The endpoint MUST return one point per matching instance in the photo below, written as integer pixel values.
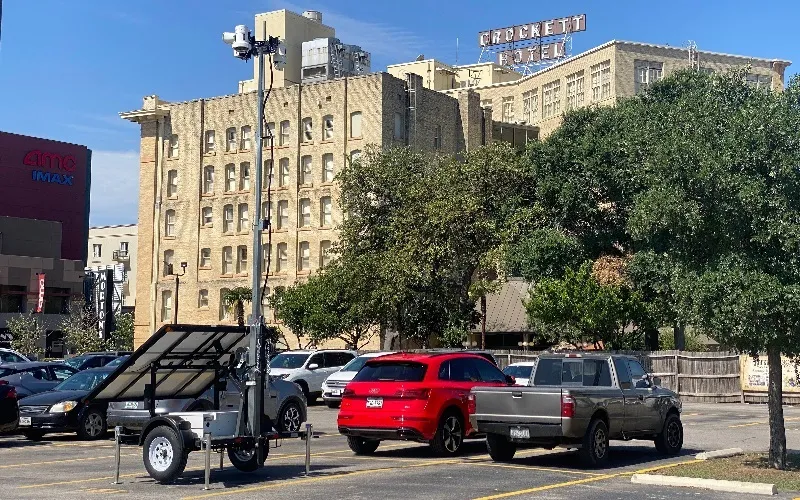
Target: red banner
(40, 305)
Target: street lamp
(177, 288)
(245, 46)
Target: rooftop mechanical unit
(329, 58)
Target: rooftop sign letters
(51, 161)
(532, 42)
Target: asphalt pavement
(62, 466)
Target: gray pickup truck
(578, 401)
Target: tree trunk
(777, 430)
(651, 338)
(680, 336)
(483, 321)
(240, 312)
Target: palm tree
(234, 301)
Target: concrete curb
(729, 452)
(706, 484)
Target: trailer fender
(179, 426)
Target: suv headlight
(63, 407)
(281, 376)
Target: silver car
(285, 406)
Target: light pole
(244, 47)
(177, 289)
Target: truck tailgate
(518, 405)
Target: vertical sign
(40, 304)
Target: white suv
(309, 369)
(9, 356)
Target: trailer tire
(246, 460)
(594, 452)
(500, 448)
(164, 454)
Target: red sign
(38, 158)
(40, 305)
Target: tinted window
(596, 373)
(318, 359)
(548, 372)
(37, 373)
(62, 373)
(488, 372)
(519, 371)
(288, 361)
(355, 364)
(75, 362)
(622, 373)
(463, 370)
(637, 372)
(10, 357)
(391, 371)
(335, 359)
(4, 372)
(572, 372)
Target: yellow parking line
(103, 490)
(68, 460)
(526, 467)
(746, 425)
(660, 467)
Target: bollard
(117, 438)
(309, 433)
(207, 441)
(221, 456)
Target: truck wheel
(500, 448)
(361, 446)
(594, 452)
(164, 455)
(449, 435)
(245, 460)
(92, 425)
(670, 440)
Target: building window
(269, 134)
(230, 140)
(284, 139)
(202, 299)
(324, 253)
(230, 178)
(305, 171)
(227, 218)
(241, 259)
(223, 308)
(244, 218)
(208, 216)
(246, 137)
(327, 168)
(97, 251)
(169, 257)
(762, 82)
(174, 146)
(304, 256)
(172, 183)
(437, 137)
(486, 103)
(530, 103)
(283, 258)
(398, 127)
(169, 223)
(268, 175)
(575, 90)
(210, 141)
(308, 130)
(601, 81)
(304, 219)
(508, 110)
(205, 258)
(266, 209)
(355, 155)
(283, 214)
(244, 176)
(551, 99)
(283, 174)
(646, 73)
(327, 128)
(266, 253)
(208, 180)
(166, 305)
(227, 260)
(355, 124)
(123, 248)
(325, 211)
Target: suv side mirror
(510, 380)
(656, 381)
(313, 366)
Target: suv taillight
(567, 406)
(348, 392)
(413, 393)
(471, 404)
(12, 394)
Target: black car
(64, 410)
(9, 410)
(35, 376)
(118, 361)
(93, 360)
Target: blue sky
(68, 67)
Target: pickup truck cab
(578, 401)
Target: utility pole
(177, 289)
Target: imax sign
(52, 178)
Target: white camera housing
(240, 41)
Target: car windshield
(518, 371)
(391, 371)
(356, 364)
(75, 362)
(118, 361)
(82, 381)
(287, 360)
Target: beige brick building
(114, 246)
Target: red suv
(414, 397)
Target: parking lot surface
(61, 466)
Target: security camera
(240, 41)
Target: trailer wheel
(164, 454)
(245, 460)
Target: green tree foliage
(27, 334)
(80, 329)
(122, 336)
(544, 253)
(234, 300)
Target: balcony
(121, 256)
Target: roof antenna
(456, 51)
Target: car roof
(313, 351)
(429, 356)
(31, 364)
(376, 354)
(100, 369)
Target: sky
(67, 68)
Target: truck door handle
(516, 395)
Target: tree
(26, 334)
(122, 336)
(80, 328)
(234, 300)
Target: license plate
(374, 402)
(336, 392)
(131, 405)
(24, 420)
(519, 433)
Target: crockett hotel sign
(531, 42)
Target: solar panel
(187, 358)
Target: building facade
(114, 247)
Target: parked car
(35, 376)
(335, 383)
(285, 406)
(63, 409)
(93, 360)
(9, 356)
(484, 354)
(414, 396)
(117, 361)
(309, 369)
(579, 401)
(9, 408)
(520, 371)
